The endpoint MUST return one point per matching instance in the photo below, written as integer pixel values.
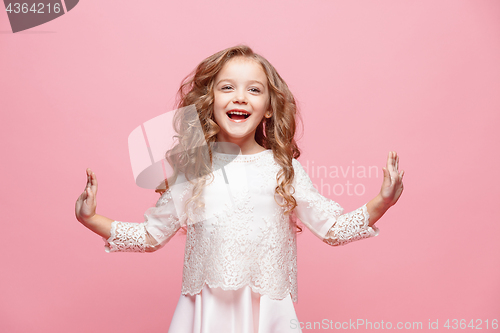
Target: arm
(99, 224)
(161, 223)
(326, 218)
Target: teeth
(237, 112)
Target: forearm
(99, 224)
(376, 208)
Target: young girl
(240, 265)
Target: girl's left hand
(392, 185)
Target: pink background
(418, 77)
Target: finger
(397, 161)
(94, 182)
(90, 197)
(85, 193)
(392, 162)
(88, 178)
(387, 177)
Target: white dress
(240, 262)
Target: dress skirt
(215, 310)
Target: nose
(240, 97)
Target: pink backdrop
(418, 77)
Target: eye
(255, 90)
(225, 87)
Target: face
(241, 100)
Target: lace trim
(249, 284)
(126, 237)
(351, 227)
(240, 158)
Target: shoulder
(301, 178)
(298, 168)
(165, 197)
(269, 159)
(296, 164)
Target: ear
(268, 114)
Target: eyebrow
(251, 81)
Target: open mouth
(238, 115)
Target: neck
(234, 146)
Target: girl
(240, 262)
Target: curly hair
(276, 133)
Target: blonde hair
(276, 133)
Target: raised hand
(86, 204)
(392, 185)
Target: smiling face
(241, 100)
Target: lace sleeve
(160, 225)
(324, 217)
(351, 227)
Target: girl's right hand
(86, 204)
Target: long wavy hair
(194, 158)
